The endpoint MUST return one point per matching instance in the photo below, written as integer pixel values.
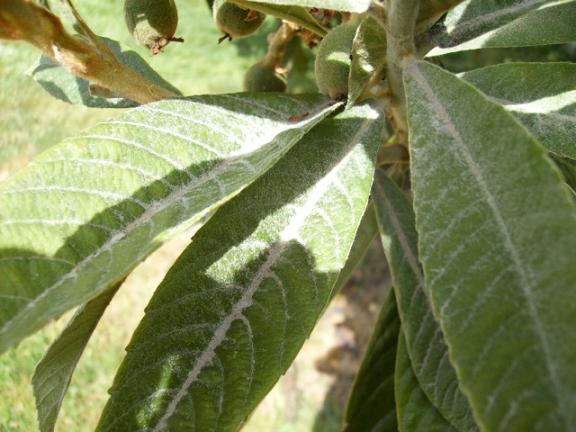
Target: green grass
(30, 122)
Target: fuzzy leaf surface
(414, 410)
(79, 218)
(366, 233)
(296, 14)
(424, 339)
(542, 96)
(358, 6)
(234, 310)
(53, 374)
(521, 23)
(368, 56)
(371, 406)
(497, 233)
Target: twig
(278, 44)
(400, 30)
(86, 56)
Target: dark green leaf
(414, 410)
(371, 407)
(424, 338)
(54, 372)
(497, 239)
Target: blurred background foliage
(312, 394)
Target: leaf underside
(232, 313)
(497, 236)
(83, 215)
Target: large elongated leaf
(54, 372)
(497, 239)
(415, 411)
(547, 22)
(424, 339)
(371, 406)
(295, 14)
(541, 95)
(87, 211)
(341, 5)
(232, 313)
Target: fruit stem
(278, 44)
(85, 55)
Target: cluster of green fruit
(153, 24)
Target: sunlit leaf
(79, 218)
(234, 310)
(510, 23)
(541, 95)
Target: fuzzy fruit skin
(332, 66)
(151, 22)
(234, 21)
(262, 78)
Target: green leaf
(54, 372)
(371, 406)
(340, 5)
(64, 85)
(234, 310)
(424, 338)
(542, 96)
(295, 14)
(86, 212)
(568, 168)
(367, 230)
(414, 410)
(530, 23)
(497, 239)
(368, 57)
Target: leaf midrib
(150, 211)
(291, 232)
(526, 286)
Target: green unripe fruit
(234, 21)
(262, 78)
(151, 22)
(332, 66)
